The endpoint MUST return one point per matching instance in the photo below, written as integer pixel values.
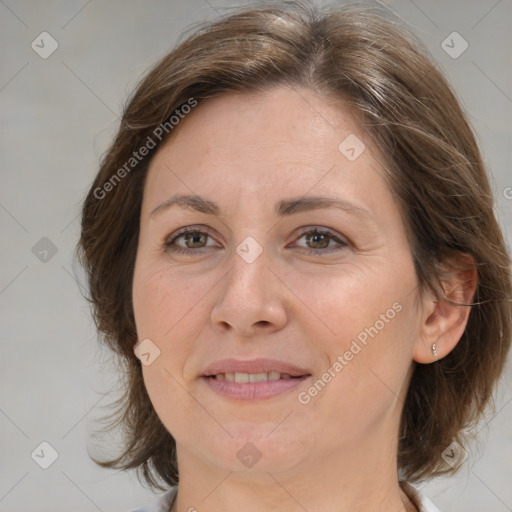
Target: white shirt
(165, 502)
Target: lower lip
(253, 390)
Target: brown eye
(193, 239)
(188, 240)
(318, 241)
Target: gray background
(58, 116)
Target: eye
(319, 241)
(192, 239)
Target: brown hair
(353, 53)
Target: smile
(241, 377)
(252, 380)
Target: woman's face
(322, 326)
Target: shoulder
(423, 504)
(162, 504)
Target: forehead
(285, 115)
(264, 143)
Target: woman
(291, 245)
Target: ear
(442, 321)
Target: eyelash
(342, 244)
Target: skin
(337, 453)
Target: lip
(253, 390)
(253, 366)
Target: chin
(254, 449)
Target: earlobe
(445, 318)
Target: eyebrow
(283, 208)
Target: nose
(252, 299)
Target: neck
(329, 482)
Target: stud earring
(434, 350)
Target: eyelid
(196, 228)
(342, 241)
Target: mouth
(253, 380)
(243, 378)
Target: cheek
(172, 404)
(161, 300)
(161, 315)
(348, 301)
(372, 326)
(162, 306)
(380, 353)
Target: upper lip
(253, 366)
